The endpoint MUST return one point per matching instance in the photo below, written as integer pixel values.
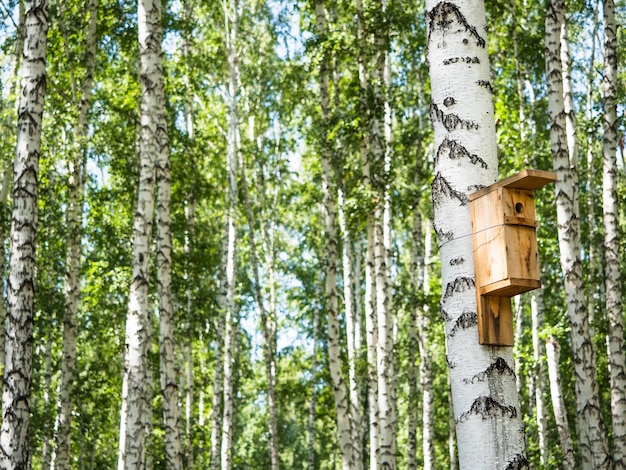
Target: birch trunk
(7, 178)
(230, 332)
(591, 428)
(313, 402)
(268, 337)
(614, 309)
(167, 320)
(16, 387)
(536, 307)
(353, 332)
(558, 404)
(426, 364)
(489, 427)
(61, 456)
(344, 431)
(371, 328)
(153, 138)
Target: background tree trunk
(16, 387)
(63, 425)
(614, 309)
(592, 431)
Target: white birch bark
(329, 191)
(313, 402)
(268, 341)
(230, 332)
(536, 307)
(352, 330)
(167, 319)
(489, 428)
(558, 404)
(61, 456)
(7, 177)
(614, 308)
(426, 363)
(593, 443)
(153, 136)
(371, 328)
(16, 387)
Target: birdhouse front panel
(505, 244)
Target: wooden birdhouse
(506, 259)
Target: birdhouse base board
(495, 320)
(509, 287)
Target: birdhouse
(506, 258)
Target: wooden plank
(509, 287)
(495, 321)
(526, 179)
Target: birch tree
(344, 430)
(231, 18)
(16, 387)
(592, 432)
(153, 141)
(486, 405)
(614, 309)
(82, 100)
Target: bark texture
(614, 309)
(558, 404)
(329, 191)
(16, 387)
(592, 431)
(61, 455)
(489, 428)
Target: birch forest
(237, 234)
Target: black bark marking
(441, 188)
(444, 15)
(467, 320)
(449, 101)
(457, 151)
(460, 284)
(466, 60)
(450, 121)
(519, 462)
(457, 261)
(487, 407)
(443, 236)
(475, 187)
(485, 84)
(499, 367)
(445, 315)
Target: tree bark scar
(444, 15)
(451, 121)
(499, 367)
(519, 462)
(466, 60)
(485, 84)
(460, 284)
(467, 320)
(457, 151)
(485, 407)
(441, 188)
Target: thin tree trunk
(230, 332)
(268, 350)
(558, 404)
(61, 457)
(614, 309)
(489, 428)
(313, 402)
(536, 306)
(153, 139)
(371, 328)
(591, 428)
(426, 364)
(342, 409)
(14, 445)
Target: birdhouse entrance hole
(506, 259)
